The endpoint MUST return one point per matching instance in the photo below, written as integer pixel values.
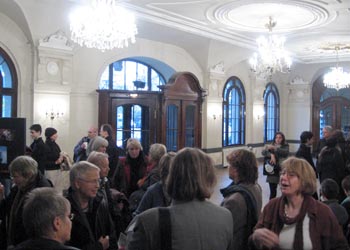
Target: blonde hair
(305, 173)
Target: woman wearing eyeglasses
(296, 220)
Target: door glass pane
(189, 126)
(326, 118)
(6, 106)
(119, 127)
(135, 122)
(345, 120)
(172, 127)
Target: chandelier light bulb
(102, 25)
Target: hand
(273, 159)
(265, 237)
(104, 241)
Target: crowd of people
(108, 199)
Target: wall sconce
(54, 114)
(259, 113)
(214, 117)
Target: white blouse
(287, 234)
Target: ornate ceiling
(310, 26)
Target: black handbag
(270, 169)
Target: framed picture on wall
(12, 141)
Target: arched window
(8, 86)
(272, 111)
(233, 113)
(130, 75)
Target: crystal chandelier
(102, 25)
(271, 56)
(337, 78)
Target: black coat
(88, 227)
(38, 153)
(6, 206)
(305, 152)
(52, 154)
(113, 155)
(43, 244)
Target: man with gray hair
(92, 226)
(326, 132)
(47, 220)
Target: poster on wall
(12, 141)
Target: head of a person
(345, 184)
(133, 148)
(243, 166)
(326, 131)
(51, 133)
(98, 144)
(23, 170)
(191, 175)
(92, 132)
(338, 135)
(297, 177)
(306, 137)
(164, 165)
(156, 151)
(85, 179)
(47, 214)
(329, 189)
(100, 160)
(35, 131)
(106, 130)
(279, 138)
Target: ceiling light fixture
(271, 56)
(102, 25)
(337, 78)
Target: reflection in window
(233, 113)
(271, 106)
(172, 127)
(8, 86)
(130, 75)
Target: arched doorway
(329, 107)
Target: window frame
(148, 82)
(271, 124)
(13, 91)
(233, 84)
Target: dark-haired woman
(275, 153)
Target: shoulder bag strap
(165, 228)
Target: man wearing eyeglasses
(92, 226)
(47, 220)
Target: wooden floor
(223, 181)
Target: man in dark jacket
(47, 219)
(92, 226)
(80, 149)
(38, 148)
(26, 177)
